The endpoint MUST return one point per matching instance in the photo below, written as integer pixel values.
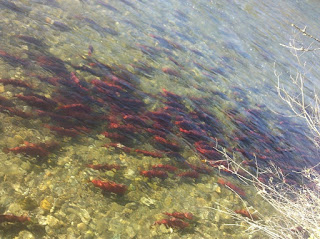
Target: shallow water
(137, 84)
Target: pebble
(18, 139)
(53, 222)
(25, 235)
(42, 220)
(63, 160)
(168, 201)
(127, 211)
(132, 205)
(43, 187)
(84, 216)
(201, 201)
(12, 142)
(26, 165)
(163, 229)
(110, 173)
(14, 208)
(45, 205)
(50, 232)
(71, 233)
(147, 201)
(130, 174)
(89, 235)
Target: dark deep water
(115, 90)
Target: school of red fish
(113, 104)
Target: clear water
(188, 72)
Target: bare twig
(296, 208)
(305, 33)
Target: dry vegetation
(300, 104)
(296, 207)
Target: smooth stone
(53, 222)
(42, 220)
(84, 216)
(25, 235)
(163, 229)
(18, 139)
(89, 235)
(26, 165)
(14, 208)
(12, 142)
(110, 173)
(130, 173)
(147, 201)
(201, 202)
(45, 205)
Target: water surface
(135, 84)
